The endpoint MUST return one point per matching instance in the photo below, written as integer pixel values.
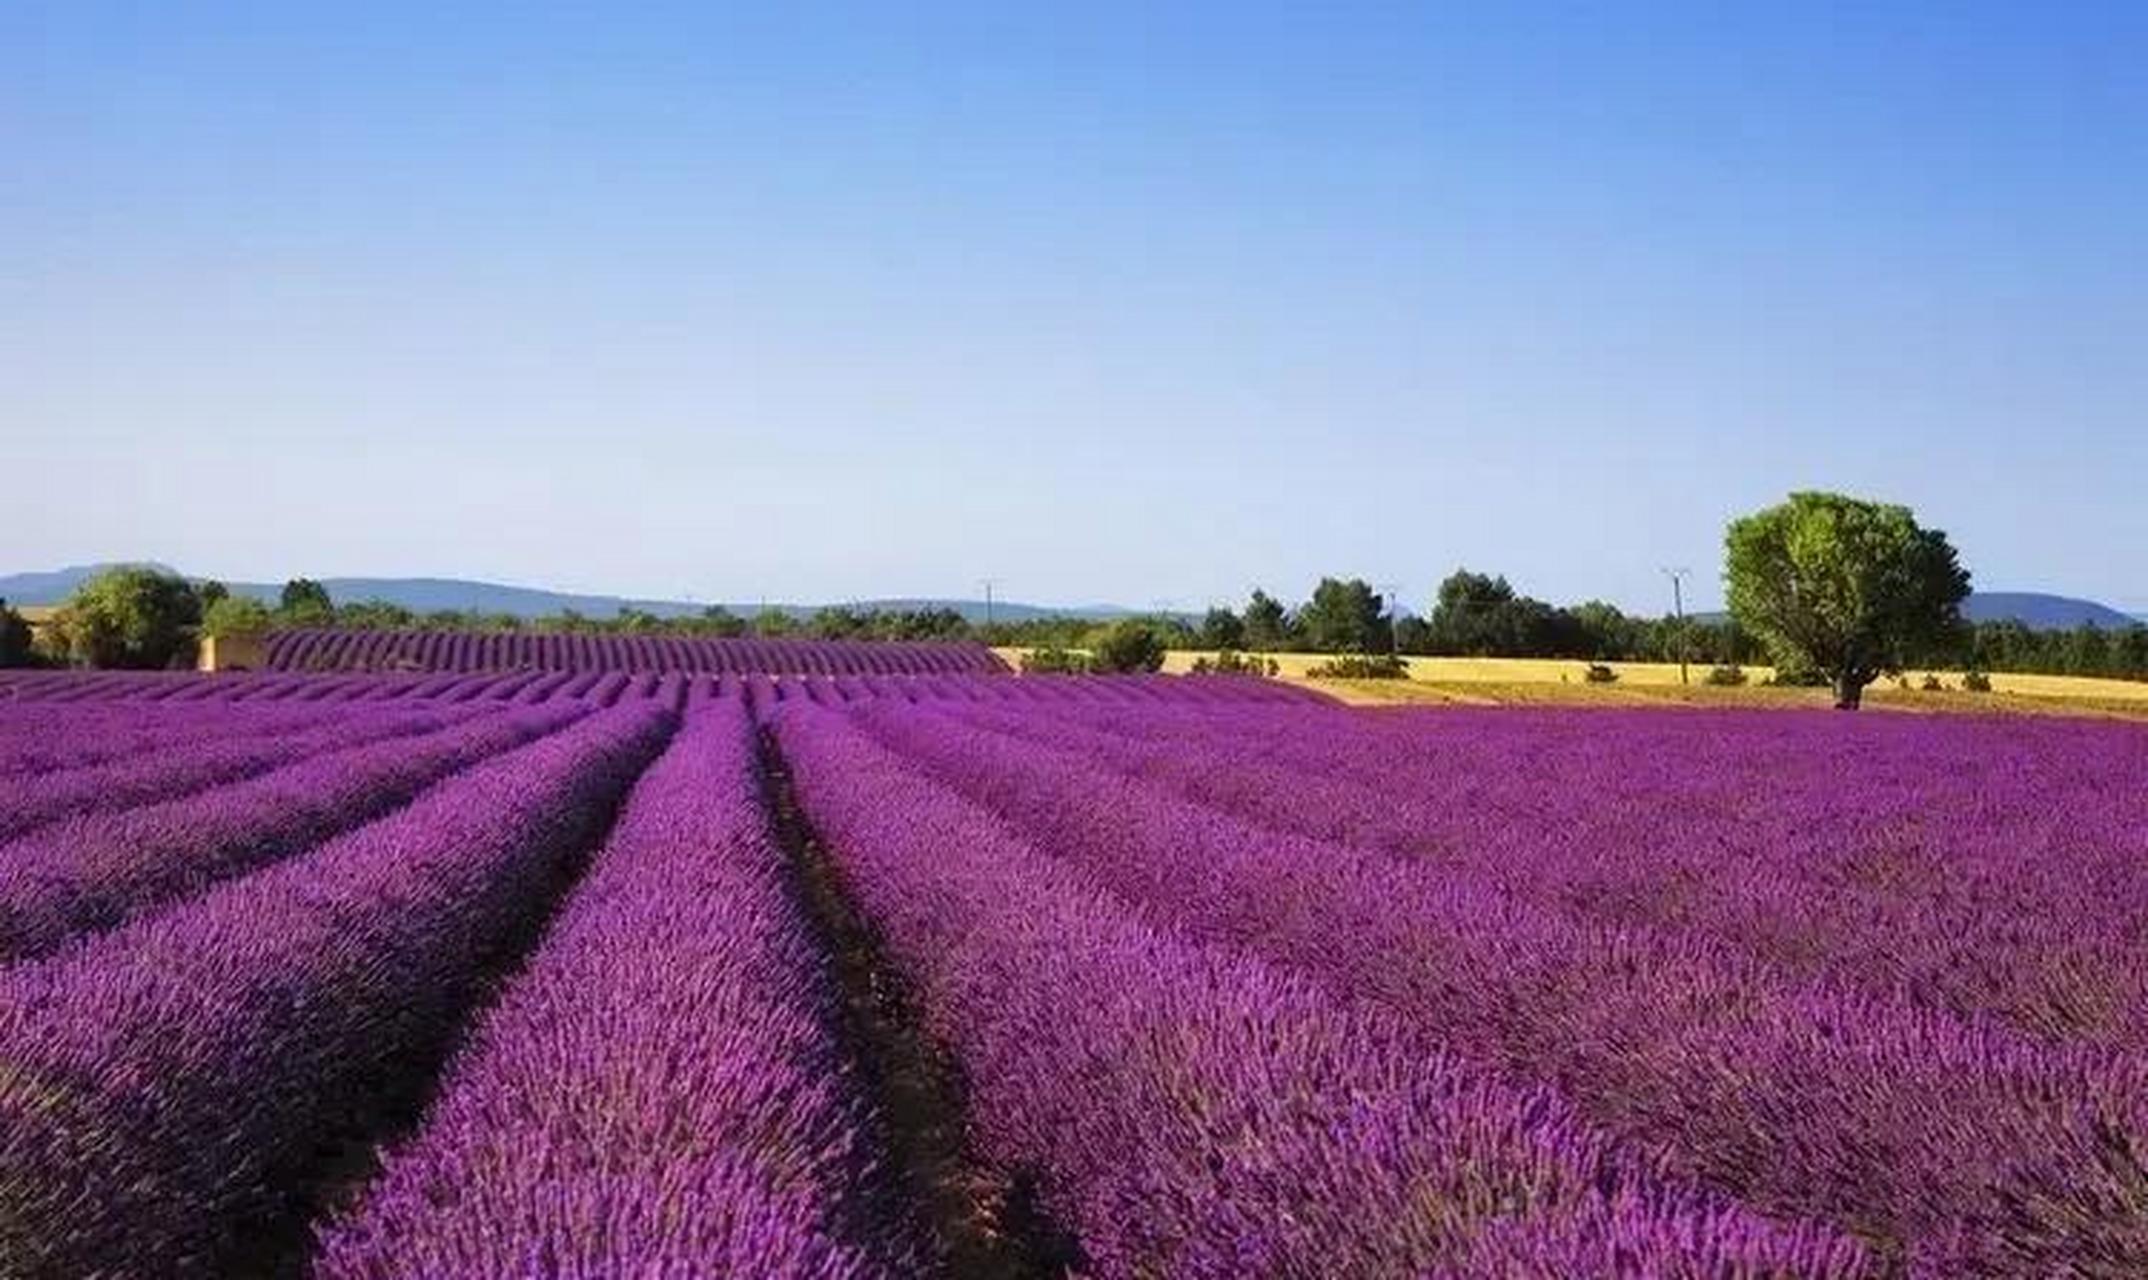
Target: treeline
(143, 618)
(2087, 650)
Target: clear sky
(1118, 302)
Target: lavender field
(547, 971)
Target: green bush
(1933, 684)
(128, 618)
(1055, 660)
(1727, 674)
(1598, 673)
(1230, 662)
(1975, 681)
(1360, 666)
(1127, 648)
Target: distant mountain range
(426, 594)
(2036, 609)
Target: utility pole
(1393, 593)
(988, 584)
(1678, 607)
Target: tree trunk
(1849, 690)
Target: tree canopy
(305, 602)
(1844, 587)
(231, 615)
(1131, 645)
(131, 618)
(1344, 617)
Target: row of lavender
(1900, 991)
(1237, 989)
(660, 1090)
(607, 688)
(267, 968)
(333, 649)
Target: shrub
(1230, 662)
(1360, 666)
(1128, 647)
(1056, 660)
(1975, 681)
(1599, 673)
(1932, 684)
(1726, 674)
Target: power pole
(988, 584)
(1393, 593)
(1678, 607)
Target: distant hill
(426, 594)
(2041, 611)
(2036, 609)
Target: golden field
(1532, 681)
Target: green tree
(1267, 626)
(1845, 587)
(235, 616)
(16, 639)
(719, 621)
(1130, 645)
(209, 591)
(129, 618)
(774, 623)
(1222, 629)
(305, 603)
(1344, 617)
(1472, 616)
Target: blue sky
(1133, 303)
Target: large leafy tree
(1474, 615)
(1843, 587)
(1344, 617)
(129, 617)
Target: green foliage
(209, 591)
(17, 641)
(1221, 629)
(305, 603)
(1344, 617)
(1230, 662)
(128, 618)
(1360, 666)
(1933, 684)
(774, 623)
(1128, 646)
(233, 615)
(1267, 623)
(1726, 675)
(721, 622)
(1056, 660)
(1975, 681)
(1598, 673)
(1851, 588)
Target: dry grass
(1560, 682)
(1575, 694)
